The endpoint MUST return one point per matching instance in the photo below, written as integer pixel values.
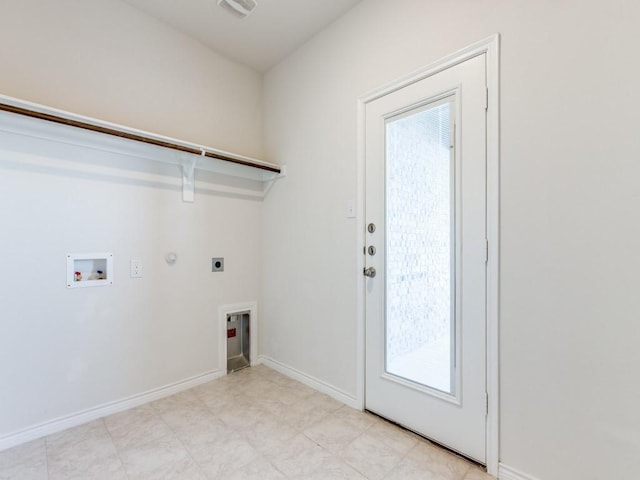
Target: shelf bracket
(188, 163)
(270, 183)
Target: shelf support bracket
(268, 185)
(188, 163)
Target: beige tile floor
(252, 424)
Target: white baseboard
(62, 423)
(310, 381)
(508, 473)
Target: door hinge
(486, 403)
(486, 251)
(486, 99)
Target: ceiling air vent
(240, 8)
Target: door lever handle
(369, 272)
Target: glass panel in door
(420, 233)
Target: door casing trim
(489, 46)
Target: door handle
(369, 272)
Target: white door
(425, 257)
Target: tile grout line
(200, 469)
(46, 457)
(241, 434)
(343, 459)
(124, 468)
(214, 414)
(177, 437)
(403, 458)
(235, 387)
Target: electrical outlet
(136, 268)
(217, 264)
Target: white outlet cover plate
(136, 268)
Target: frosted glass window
(419, 252)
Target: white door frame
(491, 47)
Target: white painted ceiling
(261, 40)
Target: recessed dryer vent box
(89, 269)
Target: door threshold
(424, 437)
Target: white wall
(66, 350)
(569, 304)
(107, 60)
(569, 307)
